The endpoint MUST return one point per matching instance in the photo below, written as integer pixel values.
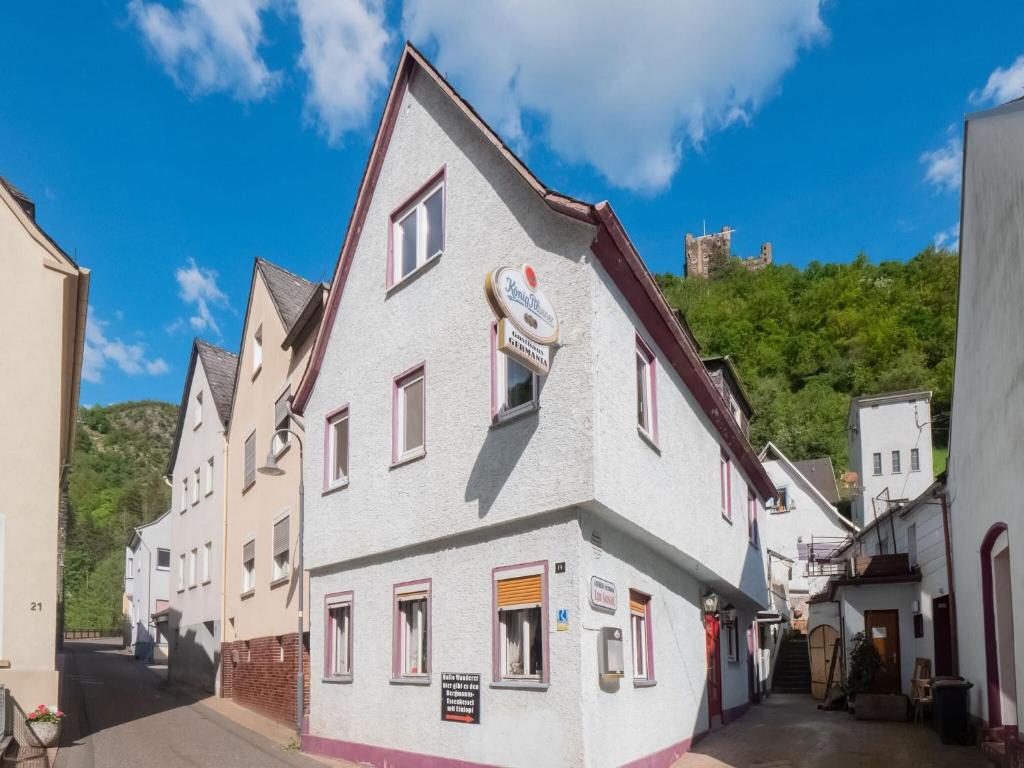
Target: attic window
(198, 416)
(257, 350)
(417, 230)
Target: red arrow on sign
(460, 718)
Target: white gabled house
(521, 569)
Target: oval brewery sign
(513, 293)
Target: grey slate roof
(820, 474)
(220, 366)
(289, 292)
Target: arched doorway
(996, 591)
(821, 644)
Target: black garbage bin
(949, 708)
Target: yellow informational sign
(533, 356)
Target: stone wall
(260, 674)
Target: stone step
(994, 751)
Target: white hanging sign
(513, 293)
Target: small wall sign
(563, 620)
(460, 698)
(602, 594)
(536, 357)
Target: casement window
(646, 393)
(163, 559)
(336, 455)
(128, 567)
(640, 626)
(192, 557)
(895, 462)
(181, 573)
(184, 493)
(282, 420)
(515, 389)
(752, 532)
(207, 561)
(197, 417)
(912, 544)
(417, 231)
(249, 566)
(411, 656)
(915, 460)
(195, 486)
(338, 636)
(732, 640)
(249, 461)
(257, 350)
(782, 505)
(725, 478)
(209, 476)
(409, 415)
(280, 551)
(876, 460)
(519, 595)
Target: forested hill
(116, 484)
(807, 340)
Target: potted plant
(44, 723)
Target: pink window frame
(725, 484)
(495, 384)
(652, 372)
(396, 384)
(441, 175)
(343, 409)
(649, 640)
(496, 676)
(752, 531)
(330, 601)
(396, 638)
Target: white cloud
(344, 44)
(943, 165)
(100, 350)
(1003, 85)
(948, 238)
(198, 286)
(209, 45)
(622, 87)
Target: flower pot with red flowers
(44, 723)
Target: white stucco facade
(197, 533)
(150, 585)
(986, 461)
(572, 487)
(885, 433)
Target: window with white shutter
(280, 552)
(282, 420)
(249, 566)
(249, 475)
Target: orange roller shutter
(637, 603)
(524, 590)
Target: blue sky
(167, 144)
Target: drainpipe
(954, 641)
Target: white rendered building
(196, 472)
(148, 558)
(514, 567)
(985, 458)
(890, 442)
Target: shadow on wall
(194, 653)
(498, 457)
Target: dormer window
(417, 231)
(257, 350)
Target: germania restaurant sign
(527, 323)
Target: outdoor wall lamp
(710, 602)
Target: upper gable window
(257, 350)
(646, 392)
(417, 230)
(198, 415)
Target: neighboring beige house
(43, 301)
(259, 638)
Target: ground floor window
(639, 617)
(732, 640)
(338, 645)
(412, 630)
(521, 646)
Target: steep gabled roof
(820, 474)
(220, 367)
(289, 292)
(771, 450)
(611, 246)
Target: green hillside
(116, 484)
(807, 340)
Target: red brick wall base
(260, 674)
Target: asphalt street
(121, 713)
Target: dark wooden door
(883, 630)
(942, 626)
(714, 656)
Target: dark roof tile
(819, 473)
(289, 292)
(220, 366)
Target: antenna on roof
(704, 225)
